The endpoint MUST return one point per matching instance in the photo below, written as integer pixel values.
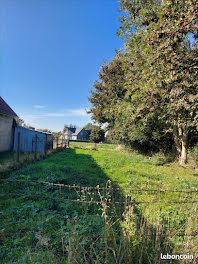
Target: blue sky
(51, 52)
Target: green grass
(51, 228)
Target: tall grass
(39, 226)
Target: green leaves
(152, 85)
(97, 134)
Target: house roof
(5, 108)
(72, 129)
(88, 131)
(78, 130)
(75, 131)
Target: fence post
(68, 143)
(65, 143)
(57, 143)
(62, 144)
(35, 153)
(18, 147)
(45, 150)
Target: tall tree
(169, 78)
(108, 92)
(150, 92)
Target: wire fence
(96, 202)
(106, 198)
(77, 243)
(109, 191)
(109, 203)
(87, 188)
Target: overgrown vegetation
(147, 95)
(40, 223)
(97, 134)
(8, 160)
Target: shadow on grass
(60, 224)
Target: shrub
(160, 158)
(97, 134)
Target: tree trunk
(176, 138)
(184, 148)
(181, 142)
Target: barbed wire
(87, 188)
(107, 201)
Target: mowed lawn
(37, 219)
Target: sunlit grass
(85, 166)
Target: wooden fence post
(57, 143)
(62, 144)
(18, 147)
(35, 153)
(65, 143)
(68, 143)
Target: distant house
(7, 126)
(69, 132)
(80, 134)
(73, 133)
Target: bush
(160, 158)
(97, 134)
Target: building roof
(88, 131)
(75, 131)
(72, 129)
(5, 108)
(78, 130)
(33, 130)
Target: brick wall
(5, 133)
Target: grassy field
(41, 223)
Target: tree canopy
(88, 126)
(148, 94)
